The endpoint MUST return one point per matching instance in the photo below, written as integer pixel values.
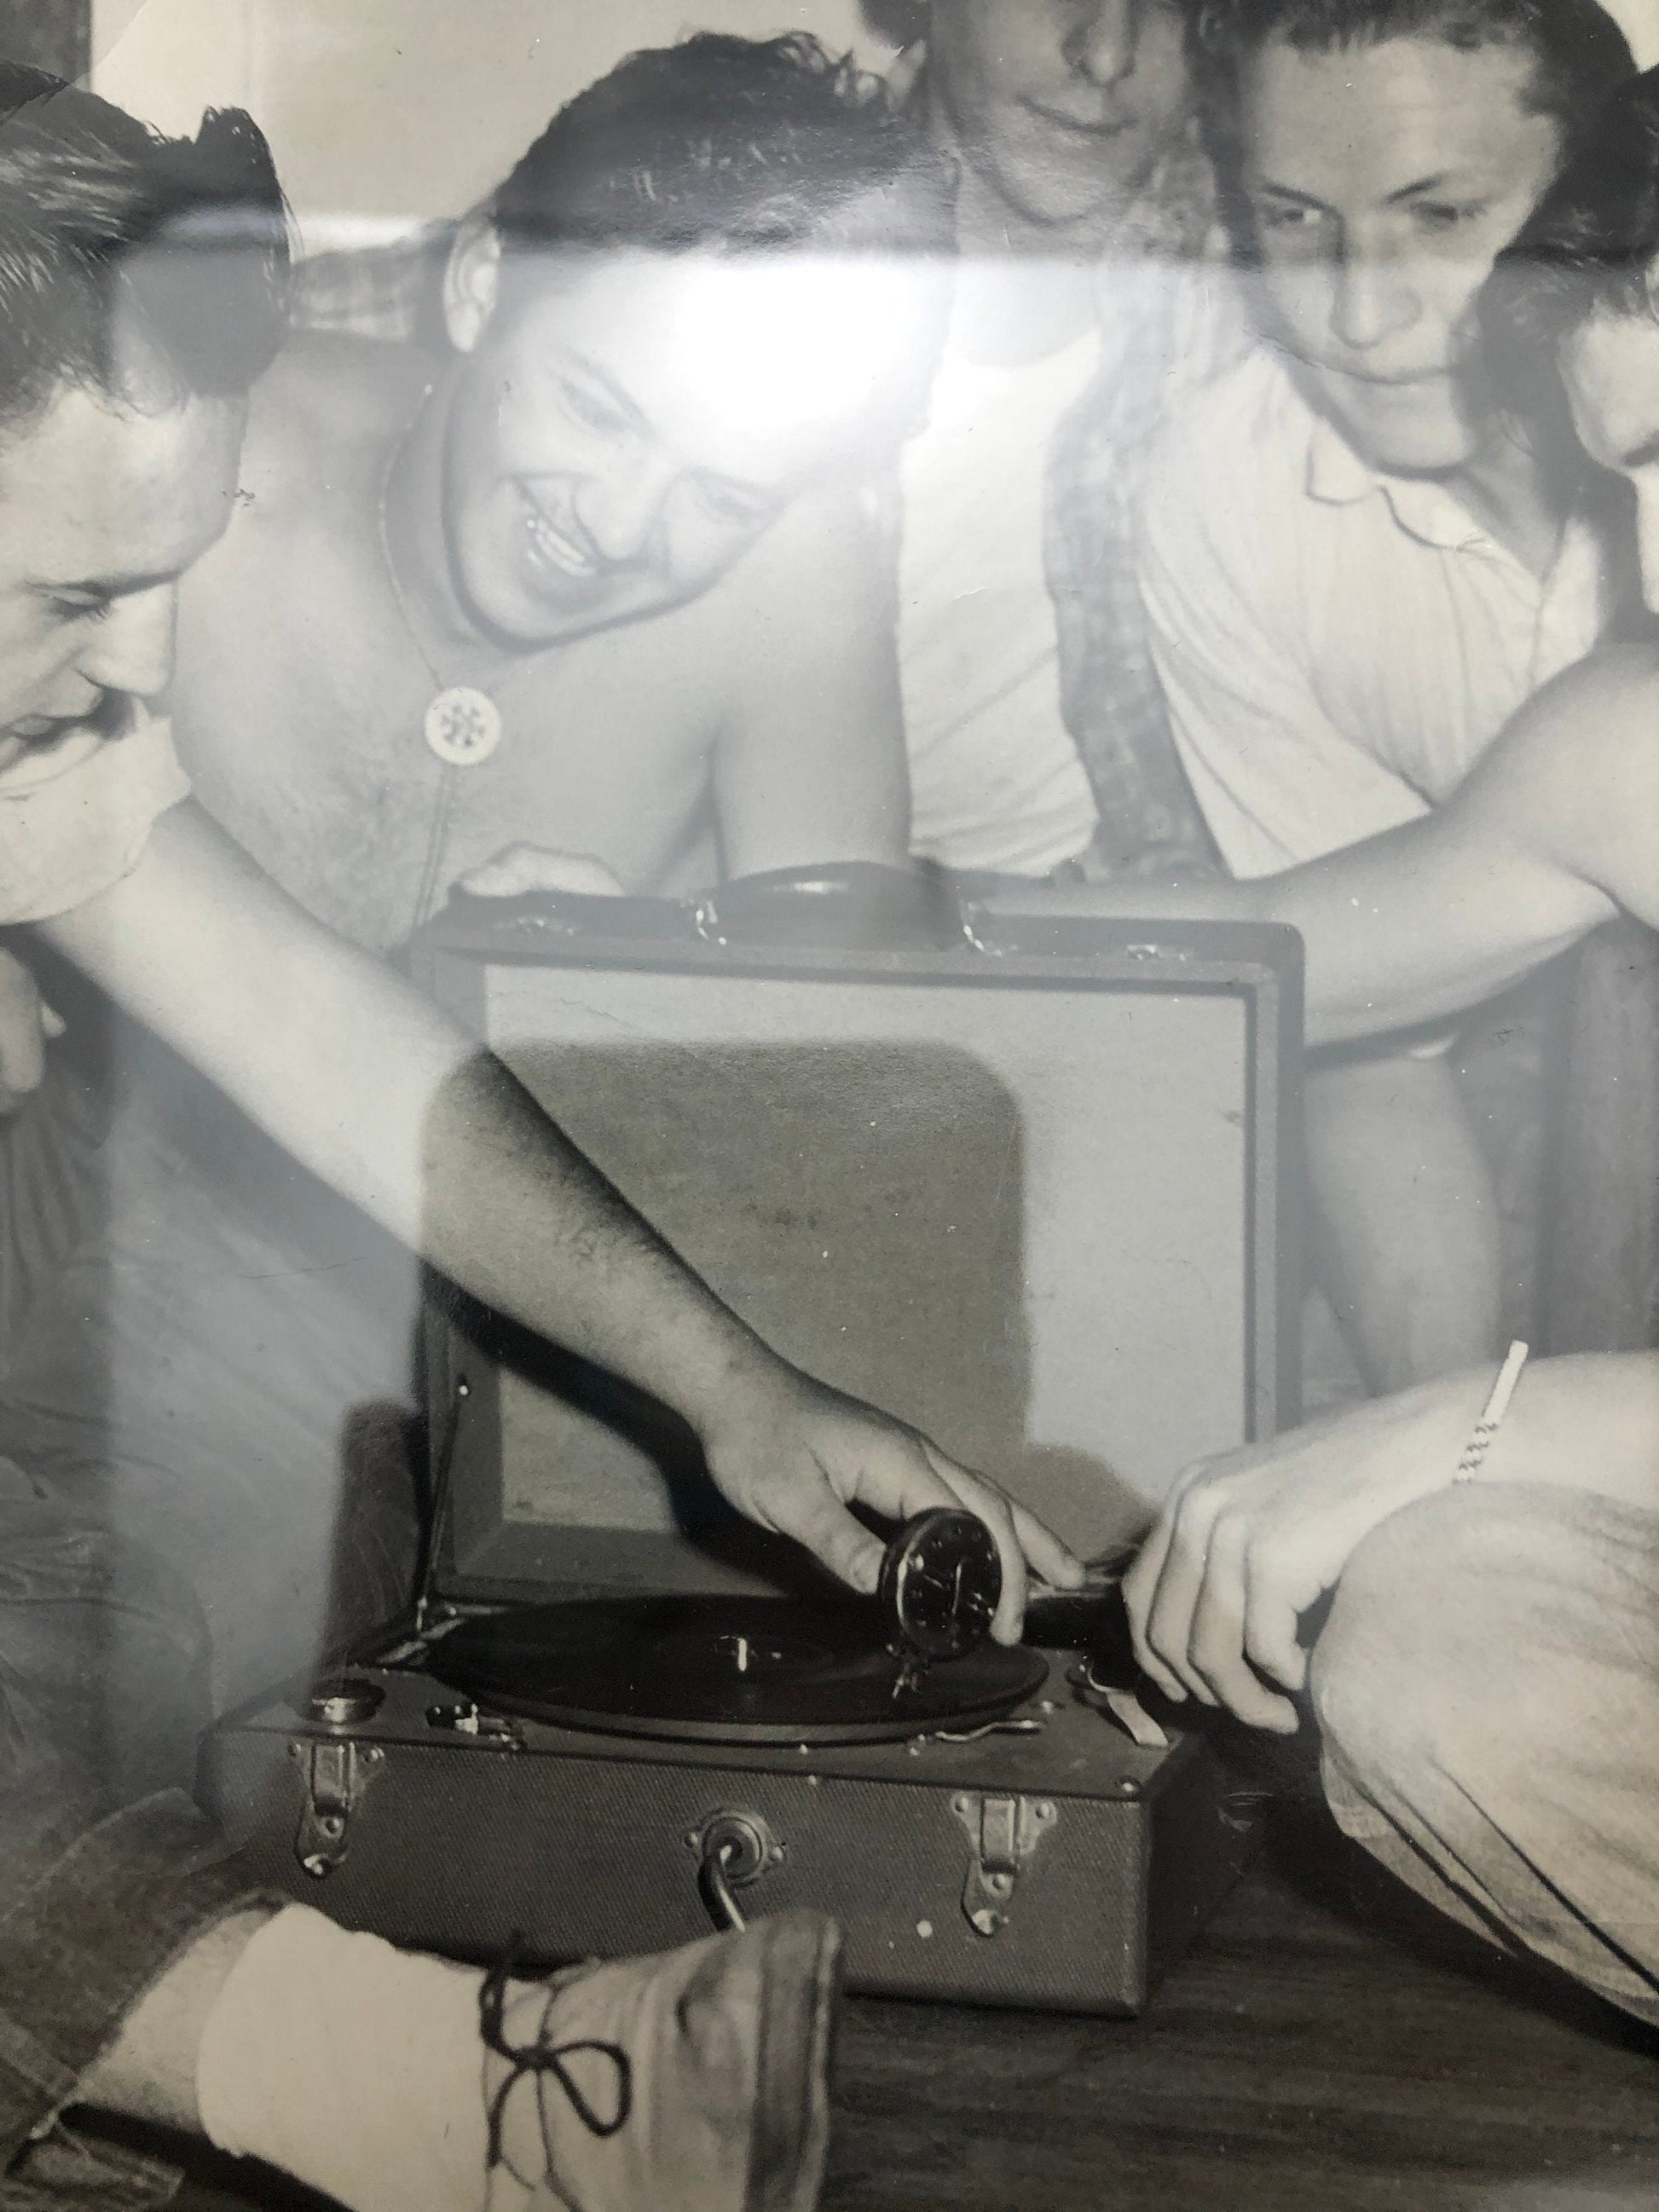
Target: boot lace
(541, 2060)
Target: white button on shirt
(1337, 648)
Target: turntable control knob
(940, 1581)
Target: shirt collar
(1339, 477)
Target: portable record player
(617, 1717)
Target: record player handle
(723, 1907)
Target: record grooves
(723, 1670)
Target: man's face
(625, 429)
(103, 508)
(1061, 107)
(1385, 180)
(1611, 369)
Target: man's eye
(80, 606)
(1444, 215)
(1280, 216)
(743, 510)
(590, 409)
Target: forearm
(363, 1080)
(1406, 1217)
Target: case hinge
(336, 1774)
(1002, 1834)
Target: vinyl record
(722, 1670)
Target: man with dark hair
(595, 578)
(1035, 727)
(1486, 1684)
(1353, 571)
(139, 293)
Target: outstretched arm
(363, 1079)
(1550, 835)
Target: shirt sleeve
(64, 837)
(1278, 780)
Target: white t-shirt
(75, 816)
(1337, 648)
(995, 779)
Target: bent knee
(1435, 1622)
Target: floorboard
(1326, 2047)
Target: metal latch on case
(336, 1777)
(1003, 1832)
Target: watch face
(940, 1582)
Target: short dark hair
(1590, 247)
(113, 236)
(734, 144)
(1592, 244)
(1581, 54)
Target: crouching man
(137, 1973)
(1486, 1684)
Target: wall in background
(388, 111)
(385, 111)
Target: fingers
(995, 1510)
(1139, 1592)
(1170, 1617)
(1216, 1644)
(817, 1520)
(517, 869)
(1273, 1621)
(1208, 1619)
(1047, 1555)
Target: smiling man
(1353, 571)
(700, 312)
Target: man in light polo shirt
(1353, 570)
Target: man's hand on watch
(792, 1454)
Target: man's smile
(553, 546)
(1080, 126)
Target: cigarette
(1493, 1412)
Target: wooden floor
(1324, 2048)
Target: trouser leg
(1487, 1692)
(102, 1691)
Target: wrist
(735, 1381)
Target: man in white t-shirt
(140, 1971)
(1354, 569)
(1083, 196)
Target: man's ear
(472, 281)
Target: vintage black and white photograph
(830, 1105)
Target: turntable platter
(722, 1670)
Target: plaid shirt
(1171, 321)
(1168, 321)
